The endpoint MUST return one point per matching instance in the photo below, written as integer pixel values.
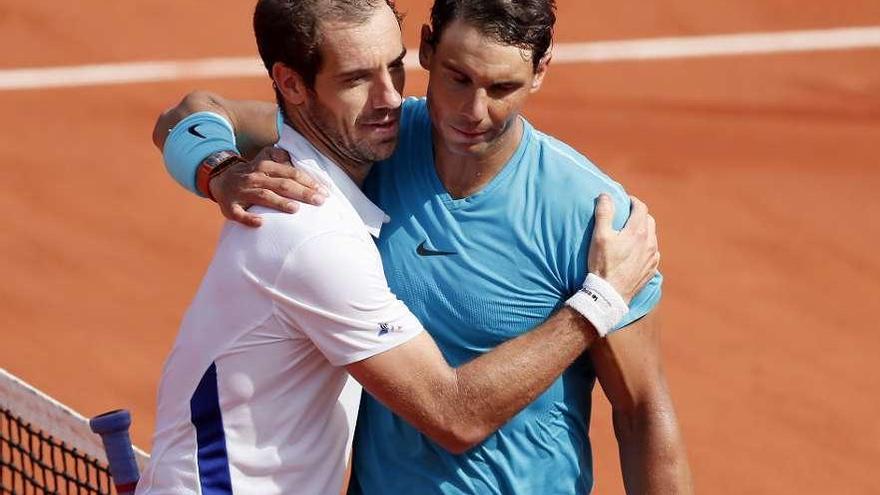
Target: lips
(384, 124)
(470, 134)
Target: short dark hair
(288, 31)
(527, 24)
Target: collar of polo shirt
(308, 158)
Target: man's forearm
(196, 101)
(459, 408)
(652, 453)
(253, 121)
(494, 387)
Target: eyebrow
(451, 67)
(363, 71)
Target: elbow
(461, 436)
(161, 130)
(194, 101)
(197, 101)
(634, 421)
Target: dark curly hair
(527, 24)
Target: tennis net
(46, 447)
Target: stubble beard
(357, 150)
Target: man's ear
(426, 47)
(289, 83)
(541, 70)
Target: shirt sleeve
(646, 299)
(333, 290)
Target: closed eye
(354, 77)
(504, 89)
(459, 78)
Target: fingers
(238, 214)
(269, 199)
(278, 155)
(604, 216)
(304, 179)
(290, 187)
(653, 254)
(273, 154)
(294, 190)
(652, 231)
(274, 163)
(268, 180)
(638, 215)
(274, 169)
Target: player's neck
(463, 175)
(355, 169)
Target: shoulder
(414, 108)
(414, 118)
(280, 233)
(575, 181)
(560, 163)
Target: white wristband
(599, 302)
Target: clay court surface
(762, 171)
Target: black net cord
(32, 462)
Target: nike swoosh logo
(193, 129)
(423, 251)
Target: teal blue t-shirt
(478, 271)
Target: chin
(383, 151)
(467, 149)
(456, 145)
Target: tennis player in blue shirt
(486, 239)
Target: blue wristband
(191, 141)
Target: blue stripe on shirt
(213, 460)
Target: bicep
(400, 377)
(628, 364)
(255, 123)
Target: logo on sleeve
(423, 251)
(193, 129)
(386, 328)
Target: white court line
(720, 45)
(566, 53)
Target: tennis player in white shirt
(256, 396)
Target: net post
(113, 429)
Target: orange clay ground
(761, 170)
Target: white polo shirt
(254, 397)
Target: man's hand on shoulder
(241, 126)
(628, 258)
(267, 180)
(619, 263)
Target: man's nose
(476, 106)
(385, 93)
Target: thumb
(265, 154)
(279, 155)
(604, 215)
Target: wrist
(212, 166)
(191, 141)
(600, 303)
(614, 284)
